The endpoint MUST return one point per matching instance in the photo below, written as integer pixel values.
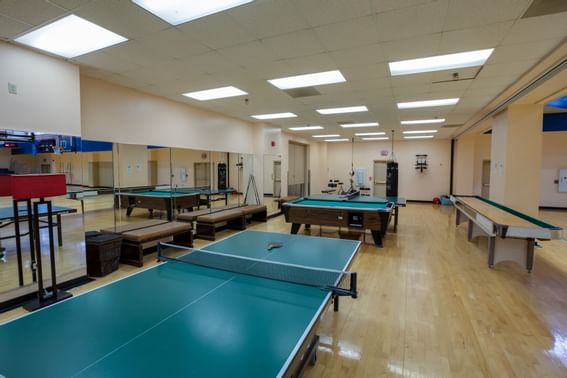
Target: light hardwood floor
(429, 306)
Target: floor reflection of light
(349, 351)
(559, 349)
(393, 368)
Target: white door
(485, 190)
(277, 178)
(380, 178)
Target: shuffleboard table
(511, 234)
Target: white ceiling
(268, 39)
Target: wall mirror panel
(40, 153)
(272, 181)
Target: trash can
(103, 253)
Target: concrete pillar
(516, 152)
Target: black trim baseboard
(556, 208)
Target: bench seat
(137, 238)
(191, 216)
(207, 225)
(255, 212)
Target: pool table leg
(377, 236)
(396, 211)
(295, 228)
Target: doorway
(485, 189)
(202, 174)
(380, 172)
(277, 179)
(297, 169)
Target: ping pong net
(326, 279)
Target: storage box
(103, 253)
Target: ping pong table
(187, 319)
(7, 218)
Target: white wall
(413, 185)
(48, 95)
(118, 114)
(554, 157)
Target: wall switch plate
(12, 88)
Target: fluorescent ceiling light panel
(348, 109)
(423, 121)
(419, 137)
(177, 12)
(326, 136)
(428, 103)
(337, 140)
(70, 36)
(274, 115)
(213, 94)
(308, 80)
(369, 134)
(440, 62)
(420, 132)
(376, 138)
(304, 128)
(367, 124)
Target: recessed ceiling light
(337, 140)
(367, 124)
(213, 94)
(326, 136)
(420, 132)
(368, 134)
(419, 137)
(308, 80)
(428, 103)
(423, 121)
(348, 109)
(303, 128)
(440, 62)
(376, 138)
(177, 12)
(70, 36)
(274, 115)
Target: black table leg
(295, 228)
(59, 232)
(377, 236)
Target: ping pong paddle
(274, 245)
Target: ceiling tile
(380, 6)
(465, 13)
(121, 17)
(251, 54)
(322, 12)
(410, 22)
(538, 28)
(523, 51)
(311, 63)
(353, 56)
(10, 28)
(32, 12)
(364, 72)
(269, 18)
(217, 31)
(102, 60)
(356, 32)
(173, 43)
(69, 4)
(474, 38)
(291, 45)
(417, 47)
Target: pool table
(331, 211)
(157, 200)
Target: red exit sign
(10, 145)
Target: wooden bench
(191, 216)
(255, 212)
(207, 225)
(141, 237)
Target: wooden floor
(429, 306)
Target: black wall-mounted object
(221, 171)
(392, 179)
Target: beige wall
(412, 184)
(516, 155)
(554, 158)
(118, 114)
(463, 180)
(48, 96)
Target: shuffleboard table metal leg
(530, 255)
(491, 250)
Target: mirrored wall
(110, 186)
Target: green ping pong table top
(177, 319)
